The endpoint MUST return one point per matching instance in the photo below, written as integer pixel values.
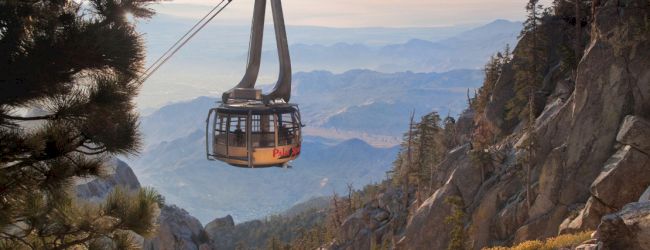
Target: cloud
(364, 13)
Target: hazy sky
(363, 13)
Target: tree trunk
(408, 164)
(578, 31)
(529, 163)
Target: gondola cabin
(254, 135)
(251, 129)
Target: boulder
(587, 219)
(635, 132)
(96, 189)
(542, 227)
(220, 232)
(627, 229)
(624, 178)
(178, 230)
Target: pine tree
(457, 222)
(430, 150)
(530, 66)
(492, 73)
(336, 214)
(507, 54)
(406, 168)
(76, 66)
(578, 31)
(351, 205)
(529, 147)
(482, 138)
(451, 133)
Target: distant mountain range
(359, 102)
(215, 60)
(467, 50)
(380, 103)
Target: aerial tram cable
(183, 37)
(183, 40)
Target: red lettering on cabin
(284, 153)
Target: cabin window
(288, 128)
(237, 131)
(220, 132)
(263, 130)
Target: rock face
(495, 109)
(591, 156)
(178, 230)
(220, 231)
(370, 225)
(120, 174)
(624, 178)
(635, 132)
(627, 229)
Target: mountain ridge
(210, 67)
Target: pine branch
(16, 238)
(34, 118)
(70, 244)
(93, 148)
(91, 153)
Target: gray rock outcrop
(624, 178)
(590, 157)
(372, 224)
(220, 231)
(96, 189)
(627, 229)
(178, 230)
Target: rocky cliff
(591, 157)
(96, 189)
(177, 229)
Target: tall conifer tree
(73, 67)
